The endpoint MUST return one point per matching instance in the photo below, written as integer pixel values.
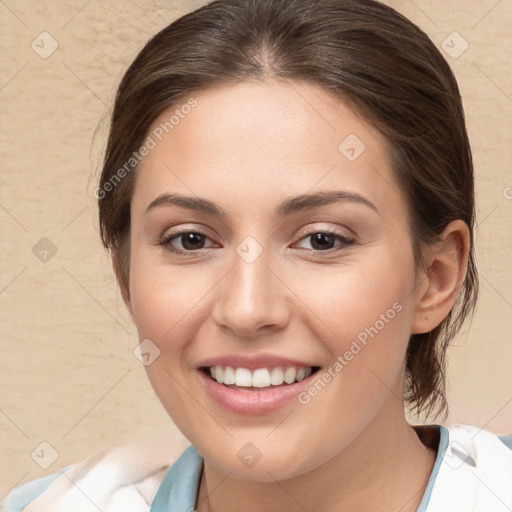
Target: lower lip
(253, 402)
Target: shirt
(472, 472)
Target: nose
(252, 299)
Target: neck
(386, 468)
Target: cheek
(165, 301)
(361, 299)
(166, 305)
(367, 308)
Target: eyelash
(345, 241)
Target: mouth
(257, 379)
(255, 384)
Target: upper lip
(252, 362)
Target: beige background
(68, 373)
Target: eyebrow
(291, 205)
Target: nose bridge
(250, 296)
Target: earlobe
(445, 268)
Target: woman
(288, 198)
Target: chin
(257, 461)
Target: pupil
(190, 239)
(319, 237)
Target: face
(291, 260)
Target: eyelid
(180, 229)
(309, 230)
(346, 241)
(183, 230)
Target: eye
(323, 241)
(189, 241)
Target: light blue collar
(441, 450)
(179, 487)
(178, 490)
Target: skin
(247, 148)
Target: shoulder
(21, 496)
(475, 472)
(126, 478)
(479, 443)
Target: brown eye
(185, 242)
(192, 241)
(323, 241)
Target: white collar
(475, 473)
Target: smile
(254, 391)
(260, 377)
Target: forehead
(264, 140)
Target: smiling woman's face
(267, 282)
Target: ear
(123, 284)
(445, 268)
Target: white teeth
(289, 375)
(259, 378)
(229, 375)
(277, 376)
(301, 373)
(243, 377)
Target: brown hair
(368, 54)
